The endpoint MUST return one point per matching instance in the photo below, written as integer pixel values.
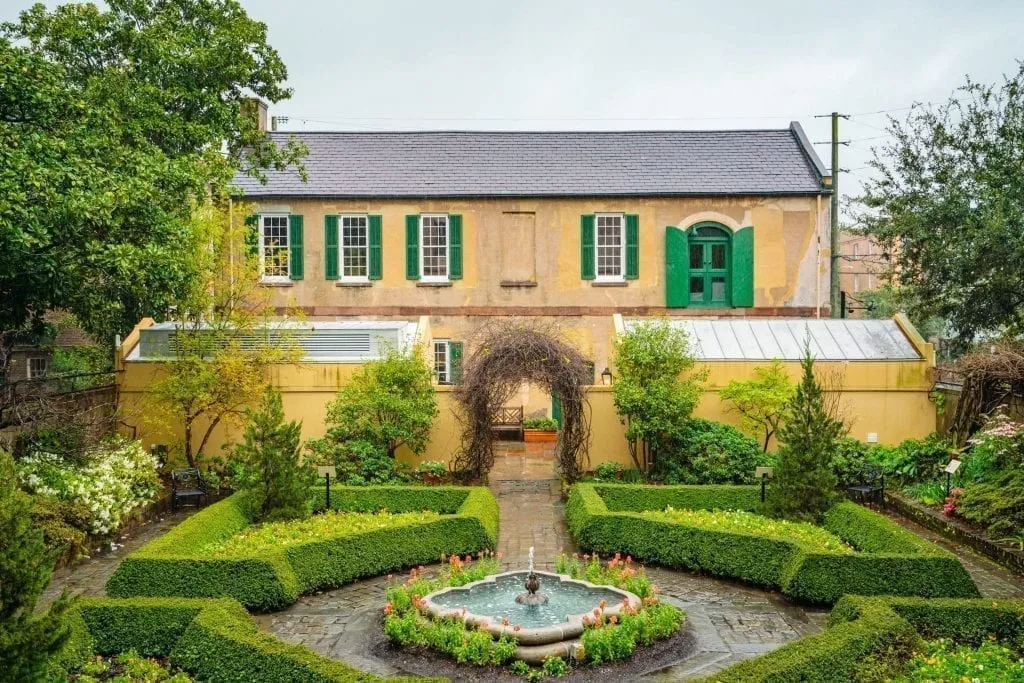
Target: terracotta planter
(539, 436)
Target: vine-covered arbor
(505, 354)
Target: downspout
(817, 269)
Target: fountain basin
(488, 603)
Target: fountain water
(532, 585)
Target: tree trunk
(189, 457)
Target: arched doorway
(503, 355)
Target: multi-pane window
(442, 361)
(37, 367)
(434, 247)
(610, 246)
(274, 247)
(354, 248)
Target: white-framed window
(434, 247)
(274, 247)
(354, 239)
(442, 361)
(610, 246)
(37, 367)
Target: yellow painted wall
(888, 399)
(510, 239)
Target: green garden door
(709, 268)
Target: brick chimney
(256, 108)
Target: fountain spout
(532, 585)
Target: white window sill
(609, 283)
(353, 283)
(276, 282)
(434, 283)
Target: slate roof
(548, 164)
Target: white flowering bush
(111, 480)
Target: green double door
(709, 271)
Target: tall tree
(228, 335)
(947, 202)
(804, 484)
(114, 125)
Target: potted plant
(540, 430)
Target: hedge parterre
(888, 560)
(200, 559)
(862, 629)
(210, 639)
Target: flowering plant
(998, 446)
(111, 481)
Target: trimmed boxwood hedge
(861, 626)
(169, 565)
(890, 560)
(212, 639)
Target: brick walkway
(90, 576)
(993, 580)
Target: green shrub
(63, 524)
(996, 504)
(708, 452)
(864, 629)
(803, 487)
(890, 560)
(273, 578)
(808, 536)
(27, 639)
(851, 460)
(211, 639)
(543, 423)
(272, 473)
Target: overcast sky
(627, 64)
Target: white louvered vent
(326, 343)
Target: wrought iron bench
(187, 485)
(508, 420)
(872, 486)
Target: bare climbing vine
(504, 354)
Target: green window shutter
(677, 268)
(376, 250)
(331, 247)
(295, 247)
(455, 246)
(455, 361)
(743, 267)
(252, 236)
(587, 246)
(556, 408)
(632, 246)
(412, 247)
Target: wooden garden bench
(508, 420)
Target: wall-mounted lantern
(606, 377)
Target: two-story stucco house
(575, 225)
(423, 236)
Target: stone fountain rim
(537, 635)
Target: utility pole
(835, 296)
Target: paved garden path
(89, 577)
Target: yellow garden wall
(887, 399)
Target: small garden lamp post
(764, 474)
(326, 471)
(606, 377)
(950, 469)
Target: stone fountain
(547, 620)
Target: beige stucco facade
(522, 256)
